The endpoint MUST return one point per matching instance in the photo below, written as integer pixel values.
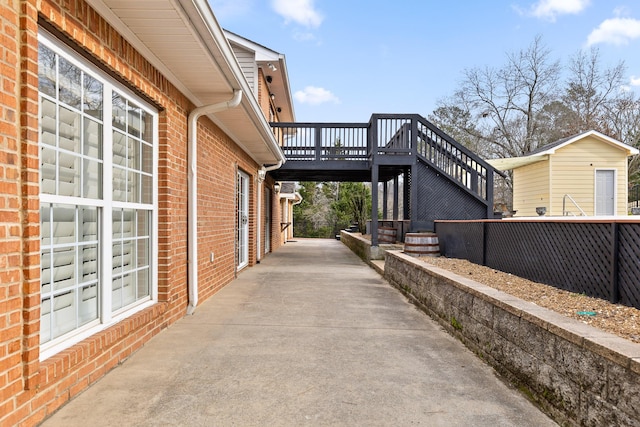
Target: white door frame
(243, 220)
(597, 205)
(268, 206)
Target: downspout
(192, 183)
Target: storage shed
(585, 174)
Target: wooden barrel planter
(421, 244)
(387, 235)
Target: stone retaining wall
(362, 247)
(576, 373)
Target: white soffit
(182, 39)
(515, 162)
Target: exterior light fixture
(276, 187)
(273, 96)
(272, 67)
(262, 174)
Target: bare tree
(505, 102)
(591, 89)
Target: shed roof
(184, 41)
(543, 152)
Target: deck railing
(323, 141)
(387, 135)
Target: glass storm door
(267, 220)
(243, 219)
(605, 192)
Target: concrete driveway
(311, 336)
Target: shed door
(605, 192)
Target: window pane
(119, 149)
(68, 174)
(45, 272)
(89, 223)
(92, 97)
(89, 269)
(117, 223)
(119, 184)
(116, 293)
(92, 179)
(69, 128)
(143, 283)
(134, 125)
(63, 268)
(147, 130)
(88, 307)
(45, 225)
(127, 255)
(48, 122)
(147, 189)
(128, 289)
(92, 139)
(47, 171)
(133, 153)
(119, 118)
(70, 89)
(133, 187)
(128, 229)
(146, 158)
(45, 320)
(143, 253)
(143, 223)
(64, 225)
(46, 71)
(117, 258)
(64, 313)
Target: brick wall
(30, 390)
(12, 233)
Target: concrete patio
(311, 336)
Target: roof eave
(201, 28)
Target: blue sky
(351, 58)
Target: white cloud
(315, 96)
(635, 81)
(299, 11)
(618, 31)
(550, 9)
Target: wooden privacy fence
(598, 258)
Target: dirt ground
(613, 318)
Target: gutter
(192, 183)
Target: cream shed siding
(573, 168)
(531, 188)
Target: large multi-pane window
(97, 197)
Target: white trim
(595, 190)
(600, 136)
(243, 230)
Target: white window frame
(105, 205)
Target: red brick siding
(31, 390)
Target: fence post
(485, 224)
(614, 291)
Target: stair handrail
(565, 212)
